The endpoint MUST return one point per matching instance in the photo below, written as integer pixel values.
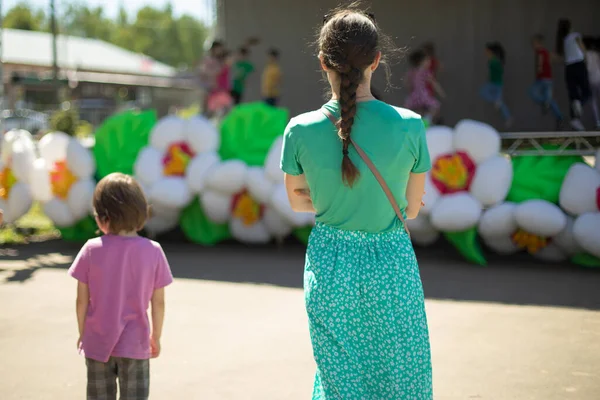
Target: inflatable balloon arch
(219, 181)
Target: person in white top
(569, 46)
(592, 60)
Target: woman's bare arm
(414, 194)
(298, 193)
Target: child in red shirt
(541, 90)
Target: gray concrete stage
(236, 328)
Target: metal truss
(563, 143)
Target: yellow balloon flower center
(528, 241)
(7, 181)
(176, 159)
(453, 173)
(248, 210)
(61, 179)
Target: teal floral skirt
(366, 311)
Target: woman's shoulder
(398, 114)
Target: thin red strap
(374, 171)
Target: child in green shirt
(492, 90)
(241, 70)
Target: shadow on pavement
(519, 280)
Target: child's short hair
(120, 201)
(429, 48)
(416, 58)
(538, 37)
(274, 53)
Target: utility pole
(53, 28)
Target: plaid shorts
(133, 376)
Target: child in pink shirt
(119, 275)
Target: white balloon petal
(501, 244)
(540, 217)
(255, 233)
(80, 198)
(498, 221)
(80, 160)
(578, 191)
(170, 192)
(148, 167)
(58, 211)
(167, 131)
(163, 222)
(202, 135)
(566, 239)
(199, 169)
(421, 230)
(229, 177)
(439, 141)
(18, 203)
(456, 212)
(477, 139)
(272, 168)
(22, 158)
(39, 180)
(492, 180)
(276, 225)
(53, 147)
(217, 206)
(587, 234)
(430, 197)
(551, 253)
(259, 187)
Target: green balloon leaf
(199, 229)
(83, 230)
(303, 233)
(586, 260)
(539, 177)
(249, 130)
(119, 140)
(467, 245)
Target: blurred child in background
(271, 79)
(242, 68)
(492, 90)
(541, 90)
(419, 78)
(592, 60)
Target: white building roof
(76, 53)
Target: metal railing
(584, 143)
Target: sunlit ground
(236, 326)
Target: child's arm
(438, 89)
(158, 317)
(81, 307)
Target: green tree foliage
(22, 16)
(175, 40)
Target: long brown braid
(348, 44)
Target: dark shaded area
(518, 279)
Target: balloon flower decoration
(536, 226)
(16, 158)
(468, 174)
(63, 179)
(580, 196)
(178, 156)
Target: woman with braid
(360, 165)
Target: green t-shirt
(394, 140)
(496, 71)
(241, 70)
